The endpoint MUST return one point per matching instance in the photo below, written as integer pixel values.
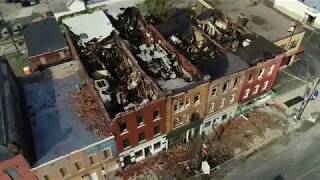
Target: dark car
(29, 2)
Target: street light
(10, 34)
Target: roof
(44, 37)
(263, 20)
(90, 26)
(222, 65)
(57, 127)
(259, 49)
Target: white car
(5, 33)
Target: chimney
(242, 20)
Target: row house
(280, 29)
(262, 56)
(135, 105)
(182, 83)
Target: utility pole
(303, 107)
(10, 34)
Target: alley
(295, 157)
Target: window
(107, 153)
(196, 99)
(265, 85)
(212, 107)
(246, 93)
(12, 173)
(236, 83)
(181, 104)
(138, 154)
(188, 103)
(271, 70)
(309, 19)
(224, 117)
(46, 177)
(256, 88)
(139, 119)
(63, 171)
(250, 77)
(207, 124)
(261, 72)
(156, 130)
(93, 159)
(179, 121)
(293, 44)
(123, 126)
(141, 137)
(232, 98)
(225, 87)
(156, 114)
(175, 108)
(157, 145)
(125, 143)
(214, 91)
(78, 165)
(223, 100)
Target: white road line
(308, 172)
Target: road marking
(294, 76)
(310, 171)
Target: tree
(158, 8)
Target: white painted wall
(163, 145)
(216, 119)
(297, 10)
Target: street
(295, 157)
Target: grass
(17, 62)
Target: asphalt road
(296, 157)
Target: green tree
(158, 8)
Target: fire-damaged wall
(260, 78)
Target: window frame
(104, 154)
(158, 116)
(246, 93)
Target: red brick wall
(51, 58)
(148, 128)
(20, 165)
(255, 71)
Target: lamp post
(10, 34)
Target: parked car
(5, 32)
(29, 2)
(16, 29)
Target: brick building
(46, 44)
(16, 168)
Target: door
(146, 151)
(127, 160)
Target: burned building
(263, 57)
(135, 105)
(224, 69)
(183, 83)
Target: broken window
(196, 99)
(250, 77)
(125, 143)
(139, 120)
(157, 145)
(156, 114)
(141, 137)
(271, 70)
(246, 93)
(236, 82)
(123, 126)
(138, 154)
(225, 87)
(63, 171)
(214, 91)
(156, 130)
(261, 72)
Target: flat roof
(263, 20)
(312, 3)
(44, 36)
(91, 26)
(56, 122)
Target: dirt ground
(228, 140)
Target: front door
(146, 151)
(127, 160)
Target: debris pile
(89, 112)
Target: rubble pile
(89, 112)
